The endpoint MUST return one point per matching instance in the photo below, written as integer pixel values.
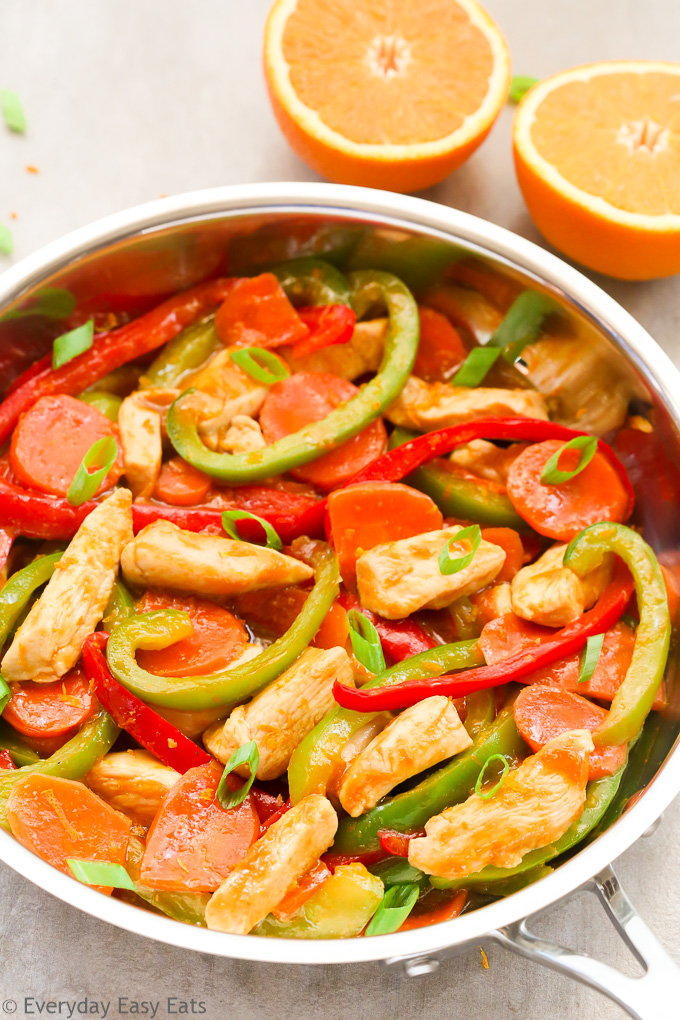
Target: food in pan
(326, 613)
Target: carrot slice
(51, 710)
(311, 396)
(52, 438)
(217, 640)
(511, 544)
(441, 350)
(180, 484)
(257, 313)
(298, 895)
(543, 712)
(364, 515)
(275, 612)
(561, 511)
(59, 818)
(193, 843)
(438, 906)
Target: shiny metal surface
(165, 245)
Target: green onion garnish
(519, 86)
(522, 323)
(589, 658)
(6, 240)
(488, 794)
(395, 906)
(229, 517)
(473, 535)
(12, 111)
(92, 470)
(247, 754)
(476, 365)
(365, 642)
(70, 345)
(5, 694)
(551, 474)
(261, 365)
(101, 873)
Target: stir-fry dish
(326, 613)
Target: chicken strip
(534, 807)
(49, 641)
(282, 714)
(273, 863)
(133, 782)
(360, 355)
(244, 435)
(165, 556)
(423, 735)
(548, 593)
(140, 435)
(396, 579)
(426, 406)
(223, 391)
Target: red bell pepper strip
(396, 843)
(566, 641)
(7, 537)
(327, 324)
(37, 368)
(275, 815)
(400, 639)
(396, 464)
(333, 861)
(6, 760)
(111, 350)
(148, 728)
(266, 804)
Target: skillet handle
(654, 996)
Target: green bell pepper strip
(72, 761)
(319, 437)
(186, 907)
(17, 593)
(229, 686)
(120, 607)
(398, 871)
(315, 759)
(310, 281)
(107, 403)
(479, 711)
(599, 795)
(452, 784)
(634, 699)
(184, 353)
(460, 497)
(10, 741)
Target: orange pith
(597, 152)
(389, 94)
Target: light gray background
(131, 99)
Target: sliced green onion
(69, 345)
(395, 906)
(259, 364)
(247, 754)
(476, 365)
(519, 86)
(522, 323)
(365, 642)
(488, 794)
(590, 657)
(6, 240)
(92, 470)
(229, 517)
(101, 873)
(5, 694)
(12, 111)
(473, 534)
(551, 474)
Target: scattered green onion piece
(522, 323)
(488, 794)
(101, 873)
(229, 517)
(365, 642)
(589, 658)
(395, 906)
(551, 474)
(448, 566)
(12, 111)
(519, 86)
(6, 240)
(246, 754)
(259, 364)
(92, 470)
(475, 367)
(69, 345)
(5, 694)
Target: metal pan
(169, 244)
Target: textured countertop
(131, 99)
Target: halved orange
(597, 153)
(386, 93)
